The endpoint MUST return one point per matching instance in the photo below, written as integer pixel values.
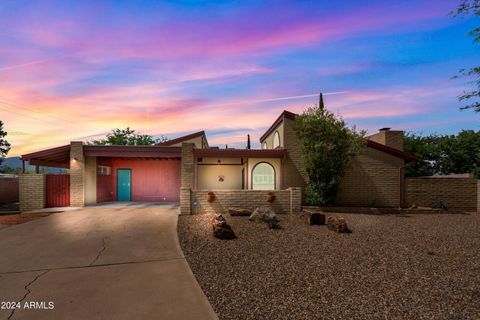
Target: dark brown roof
(284, 114)
(392, 151)
(240, 153)
(183, 138)
(58, 157)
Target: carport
(102, 173)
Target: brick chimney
(391, 138)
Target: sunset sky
(74, 70)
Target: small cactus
(274, 223)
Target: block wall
(32, 193)
(455, 193)
(286, 201)
(77, 174)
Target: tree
(327, 146)
(472, 96)
(128, 137)
(4, 145)
(444, 154)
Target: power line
(26, 108)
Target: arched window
(276, 140)
(265, 145)
(263, 176)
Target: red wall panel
(152, 179)
(58, 190)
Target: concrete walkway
(99, 263)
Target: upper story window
(265, 145)
(104, 170)
(263, 177)
(276, 140)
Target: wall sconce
(75, 159)
(221, 178)
(219, 161)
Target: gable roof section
(392, 151)
(184, 138)
(372, 144)
(284, 114)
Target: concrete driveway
(98, 263)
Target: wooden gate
(58, 190)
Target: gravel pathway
(390, 267)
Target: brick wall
(32, 191)
(372, 179)
(455, 193)
(8, 189)
(294, 174)
(285, 200)
(187, 174)
(77, 174)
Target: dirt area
(11, 219)
(390, 267)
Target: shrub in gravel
(274, 223)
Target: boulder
(224, 232)
(239, 212)
(337, 224)
(221, 229)
(316, 219)
(262, 214)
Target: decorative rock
(239, 212)
(262, 214)
(221, 229)
(224, 233)
(316, 219)
(337, 224)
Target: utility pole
(248, 142)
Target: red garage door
(58, 190)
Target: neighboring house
(185, 169)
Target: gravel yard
(390, 267)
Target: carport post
(77, 174)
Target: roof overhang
(55, 157)
(240, 153)
(392, 151)
(184, 138)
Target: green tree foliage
(4, 145)
(128, 137)
(327, 146)
(444, 154)
(472, 97)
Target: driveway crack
(28, 291)
(102, 249)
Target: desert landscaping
(395, 266)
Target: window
(104, 170)
(263, 177)
(265, 145)
(276, 140)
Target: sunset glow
(76, 70)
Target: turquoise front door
(124, 179)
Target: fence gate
(58, 190)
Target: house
(186, 169)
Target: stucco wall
(90, 180)
(208, 176)
(455, 193)
(197, 141)
(269, 138)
